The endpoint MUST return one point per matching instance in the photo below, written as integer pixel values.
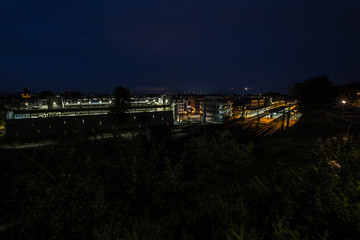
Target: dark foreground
(300, 185)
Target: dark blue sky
(169, 46)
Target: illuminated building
(25, 94)
(86, 116)
(217, 109)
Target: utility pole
(282, 120)
(288, 116)
(204, 113)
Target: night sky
(173, 46)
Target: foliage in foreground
(213, 188)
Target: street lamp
(343, 104)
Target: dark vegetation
(45, 94)
(2, 114)
(303, 184)
(313, 94)
(319, 93)
(208, 187)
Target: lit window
(134, 117)
(83, 121)
(153, 116)
(100, 123)
(64, 122)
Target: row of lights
(90, 102)
(54, 103)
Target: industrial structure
(73, 113)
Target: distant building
(25, 94)
(179, 108)
(254, 103)
(57, 117)
(190, 105)
(245, 105)
(217, 109)
(199, 103)
(55, 102)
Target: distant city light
(343, 101)
(54, 103)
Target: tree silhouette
(46, 93)
(312, 94)
(2, 114)
(120, 106)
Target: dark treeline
(207, 187)
(319, 93)
(303, 184)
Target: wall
(88, 124)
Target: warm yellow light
(25, 95)
(343, 101)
